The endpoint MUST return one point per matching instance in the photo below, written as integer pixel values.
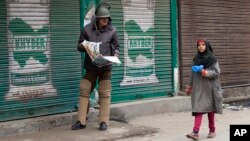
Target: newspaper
(93, 50)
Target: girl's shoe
(211, 135)
(193, 136)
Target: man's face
(201, 46)
(102, 22)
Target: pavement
(116, 131)
(121, 113)
(173, 126)
(162, 119)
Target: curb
(122, 112)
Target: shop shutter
(144, 32)
(40, 65)
(226, 25)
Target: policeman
(99, 30)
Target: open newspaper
(93, 50)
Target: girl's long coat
(206, 95)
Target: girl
(205, 89)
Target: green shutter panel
(40, 65)
(144, 32)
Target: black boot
(103, 126)
(77, 126)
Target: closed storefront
(226, 25)
(147, 43)
(40, 67)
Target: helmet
(102, 12)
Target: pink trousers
(198, 120)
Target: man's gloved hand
(197, 68)
(188, 90)
(116, 55)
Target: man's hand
(82, 46)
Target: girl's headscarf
(205, 58)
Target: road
(174, 126)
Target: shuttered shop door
(40, 65)
(145, 49)
(226, 25)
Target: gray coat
(206, 95)
(109, 46)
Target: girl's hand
(204, 72)
(197, 68)
(188, 90)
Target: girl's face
(201, 46)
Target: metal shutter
(226, 25)
(40, 66)
(145, 37)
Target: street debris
(234, 107)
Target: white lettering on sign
(140, 42)
(27, 94)
(239, 132)
(30, 44)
